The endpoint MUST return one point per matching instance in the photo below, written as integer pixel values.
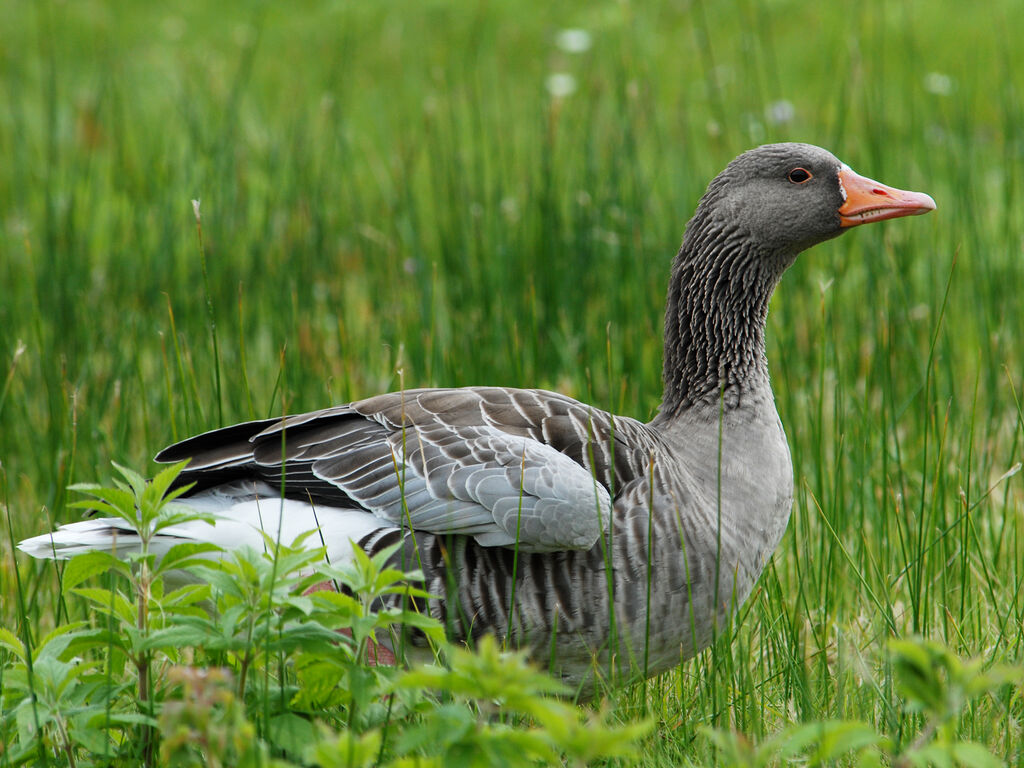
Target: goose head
(785, 198)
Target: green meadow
(406, 194)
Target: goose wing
(502, 465)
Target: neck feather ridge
(715, 319)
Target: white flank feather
(236, 524)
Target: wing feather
(499, 464)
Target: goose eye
(799, 175)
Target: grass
(390, 197)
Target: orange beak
(867, 200)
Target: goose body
(582, 536)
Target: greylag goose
(582, 536)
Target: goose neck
(715, 321)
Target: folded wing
(522, 468)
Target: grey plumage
(598, 542)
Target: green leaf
(428, 625)
(381, 558)
(292, 733)
(918, 665)
(92, 488)
(11, 642)
(169, 516)
(85, 566)
(337, 602)
(185, 596)
(27, 714)
(106, 601)
(974, 755)
(301, 603)
(929, 756)
(57, 641)
(132, 718)
(346, 750)
(135, 480)
(87, 735)
(166, 477)
(444, 725)
(839, 738)
(179, 635)
(407, 590)
(185, 554)
(220, 576)
(790, 742)
(113, 501)
(98, 639)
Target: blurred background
(440, 193)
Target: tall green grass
(390, 196)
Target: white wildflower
(560, 84)
(573, 40)
(510, 209)
(938, 83)
(780, 112)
